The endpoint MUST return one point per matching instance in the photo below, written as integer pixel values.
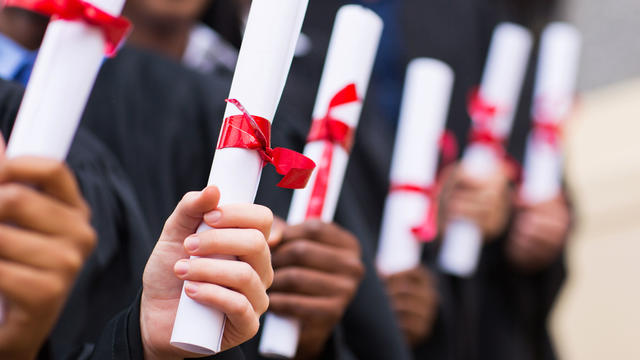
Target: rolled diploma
(350, 59)
(555, 87)
(63, 75)
(501, 85)
(423, 115)
(261, 72)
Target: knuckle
(258, 241)
(314, 228)
(268, 278)
(246, 274)
(267, 215)
(71, 261)
(12, 197)
(241, 308)
(299, 250)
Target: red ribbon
(115, 29)
(428, 229)
(546, 127)
(254, 133)
(483, 114)
(332, 132)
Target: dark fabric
(111, 277)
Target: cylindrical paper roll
(63, 75)
(553, 101)
(352, 51)
(501, 85)
(263, 64)
(423, 115)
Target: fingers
(34, 250)
(249, 245)
(18, 283)
(3, 146)
(50, 176)
(29, 209)
(313, 255)
(234, 305)
(187, 216)
(241, 216)
(319, 231)
(304, 281)
(235, 275)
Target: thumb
(189, 213)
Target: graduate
(146, 326)
(44, 248)
(329, 303)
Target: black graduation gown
(123, 245)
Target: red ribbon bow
(115, 29)
(483, 114)
(331, 131)
(254, 133)
(428, 229)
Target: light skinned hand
(236, 288)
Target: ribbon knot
(427, 230)
(333, 132)
(115, 29)
(546, 125)
(254, 133)
(483, 114)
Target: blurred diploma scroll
(497, 98)
(553, 103)
(62, 79)
(263, 64)
(425, 105)
(350, 58)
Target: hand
(538, 234)
(237, 288)
(317, 272)
(484, 201)
(414, 298)
(45, 237)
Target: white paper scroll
(423, 115)
(350, 58)
(63, 75)
(501, 85)
(553, 101)
(263, 64)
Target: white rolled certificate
(63, 75)
(553, 101)
(350, 58)
(263, 64)
(500, 88)
(427, 96)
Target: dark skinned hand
(538, 234)
(414, 299)
(317, 272)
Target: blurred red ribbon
(546, 126)
(483, 114)
(254, 133)
(333, 132)
(115, 29)
(428, 229)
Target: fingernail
(182, 267)
(190, 288)
(192, 243)
(213, 216)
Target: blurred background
(598, 314)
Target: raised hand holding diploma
(553, 102)
(78, 37)
(410, 213)
(345, 80)
(263, 64)
(492, 109)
